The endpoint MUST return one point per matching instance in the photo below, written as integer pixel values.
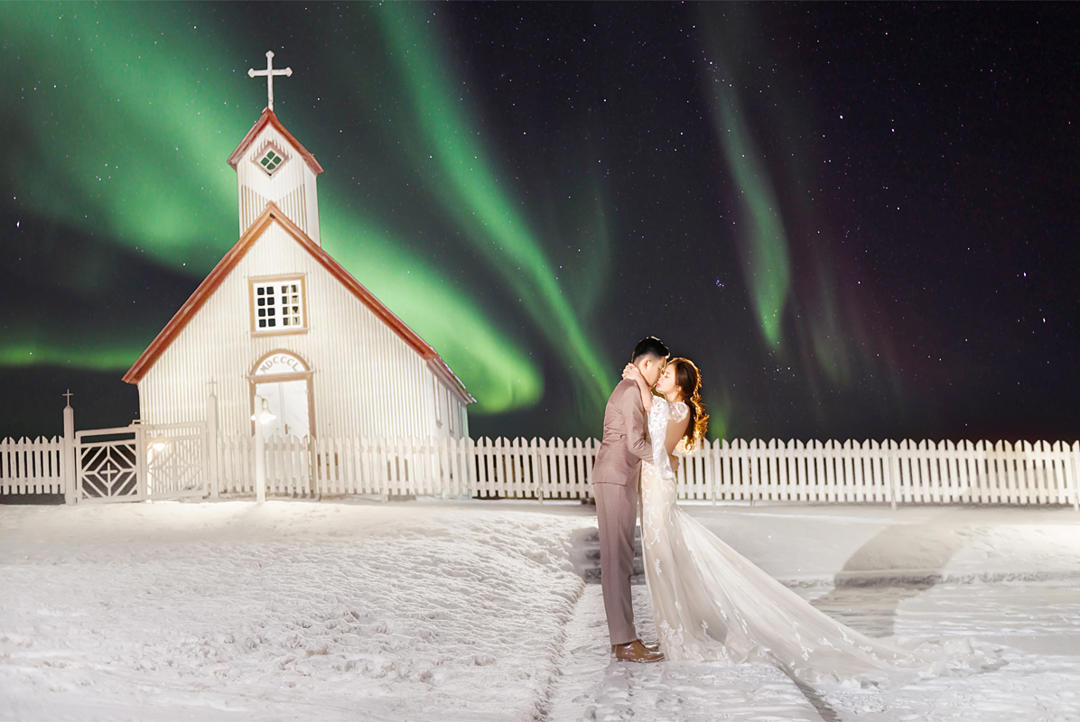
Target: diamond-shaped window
(270, 160)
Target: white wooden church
(279, 319)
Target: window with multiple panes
(271, 159)
(278, 305)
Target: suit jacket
(625, 442)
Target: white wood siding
(366, 380)
(291, 187)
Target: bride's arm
(633, 372)
(675, 431)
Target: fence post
(260, 464)
(261, 410)
(141, 475)
(211, 464)
(67, 454)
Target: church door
(288, 401)
(284, 380)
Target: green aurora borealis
(101, 165)
(533, 188)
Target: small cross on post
(68, 396)
(269, 73)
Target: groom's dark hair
(650, 346)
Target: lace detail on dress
(679, 411)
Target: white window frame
(284, 300)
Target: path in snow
(592, 686)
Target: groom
(615, 480)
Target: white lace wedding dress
(712, 604)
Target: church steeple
(272, 166)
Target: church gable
(287, 140)
(272, 167)
(298, 253)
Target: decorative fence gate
(176, 460)
(134, 463)
(109, 465)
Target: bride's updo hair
(688, 378)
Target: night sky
(859, 220)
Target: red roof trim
(210, 284)
(269, 117)
(450, 379)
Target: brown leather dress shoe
(635, 652)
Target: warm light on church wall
(282, 365)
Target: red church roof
(229, 261)
(269, 117)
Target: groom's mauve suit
(615, 478)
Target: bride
(712, 604)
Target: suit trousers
(616, 515)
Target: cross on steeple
(68, 396)
(269, 73)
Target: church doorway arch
(284, 380)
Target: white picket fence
(891, 472)
(905, 472)
(502, 468)
(32, 466)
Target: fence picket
(1059, 489)
(575, 469)
(1040, 471)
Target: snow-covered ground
(471, 610)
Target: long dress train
(711, 603)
